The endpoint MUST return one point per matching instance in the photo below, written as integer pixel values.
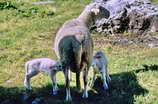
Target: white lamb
(47, 65)
(100, 66)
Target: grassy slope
(28, 32)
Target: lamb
(74, 46)
(100, 66)
(47, 65)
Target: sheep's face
(96, 63)
(57, 66)
(99, 11)
(95, 11)
(99, 54)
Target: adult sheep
(74, 46)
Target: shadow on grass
(147, 68)
(123, 88)
(10, 95)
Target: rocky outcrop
(134, 16)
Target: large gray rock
(134, 16)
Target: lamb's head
(98, 57)
(99, 54)
(57, 66)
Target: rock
(151, 45)
(134, 16)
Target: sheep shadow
(145, 68)
(10, 95)
(123, 87)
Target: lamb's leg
(67, 80)
(107, 75)
(105, 85)
(85, 79)
(27, 82)
(108, 78)
(28, 76)
(54, 83)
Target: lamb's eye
(60, 66)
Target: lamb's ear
(51, 67)
(95, 11)
(97, 57)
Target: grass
(27, 31)
(154, 1)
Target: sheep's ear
(95, 11)
(51, 67)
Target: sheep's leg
(28, 76)
(27, 82)
(70, 76)
(77, 48)
(85, 79)
(105, 85)
(94, 78)
(67, 79)
(78, 80)
(54, 84)
(108, 77)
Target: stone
(133, 16)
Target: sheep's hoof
(105, 87)
(68, 99)
(54, 92)
(85, 95)
(28, 88)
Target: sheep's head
(99, 54)
(98, 11)
(57, 66)
(94, 12)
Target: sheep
(47, 65)
(74, 46)
(100, 66)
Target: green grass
(28, 32)
(154, 1)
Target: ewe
(74, 46)
(49, 66)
